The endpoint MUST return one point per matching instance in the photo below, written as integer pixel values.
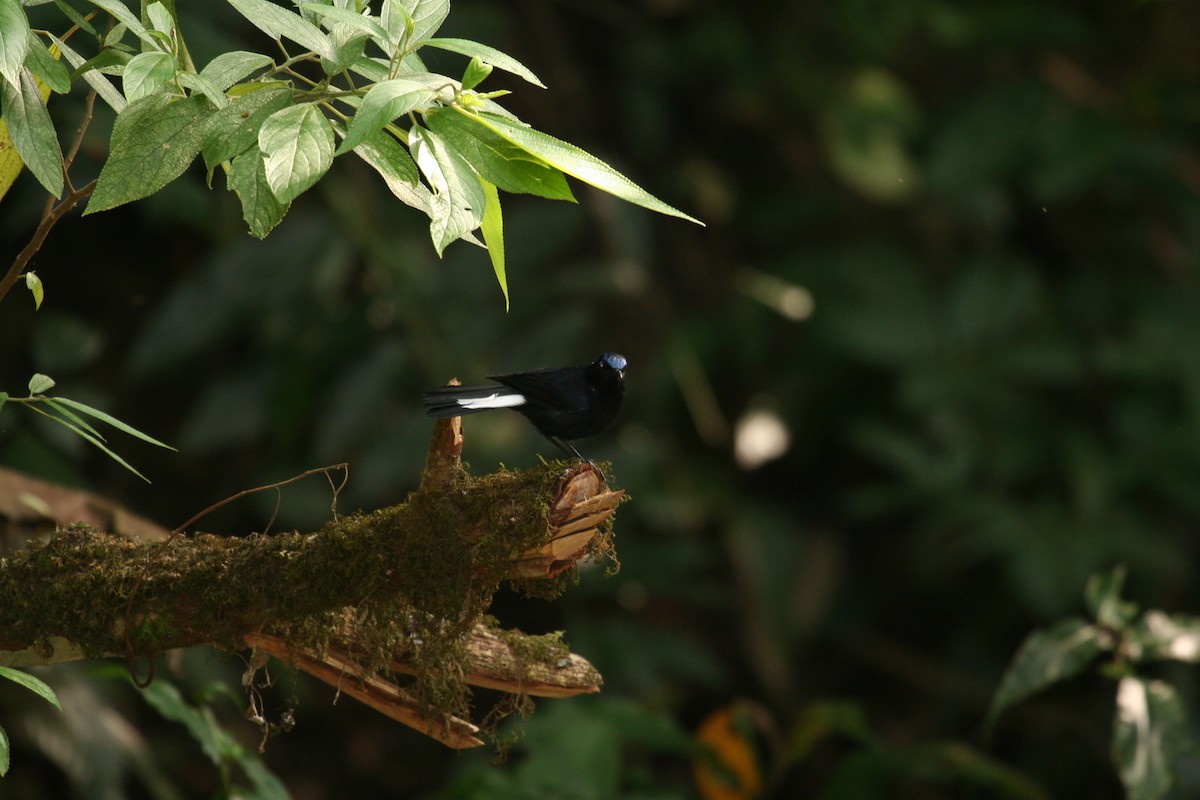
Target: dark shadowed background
(934, 361)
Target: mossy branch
(401, 589)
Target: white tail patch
(496, 400)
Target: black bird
(563, 403)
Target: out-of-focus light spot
(759, 436)
(789, 300)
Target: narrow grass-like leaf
(4, 752)
(1046, 657)
(73, 418)
(153, 142)
(146, 73)
(382, 103)
(578, 163)
(111, 420)
(103, 86)
(279, 23)
(488, 55)
(1149, 736)
(33, 684)
(32, 131)
(14, 39)
(493, 234)
(498, 160)
(298, 145)
(90, 438)
(228, 68)
(261, 209)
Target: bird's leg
(569, 449)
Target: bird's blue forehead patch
(614, 360)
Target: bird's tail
(455, 401)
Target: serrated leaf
(111, 420)
(457, 204)
(40, 383)
(394, 164)
(382, 103)
(279, 23)
(44, 65)
(297, 144)
(14, 39)
(426, 15)
(153, 142)
(32, 131)
(146, 73)
(1149, 736)
(493, 235)
(1046, 657)
(489, 55)
(234, 129)
(498, 160)
(103, 86)
(228, 68)
(261, 209)
(34, 284)
(33, 684)
(578, 163)
(345, 16)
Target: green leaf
(1103, 596)
(43, 64)
(14, 40)
(1046, 657)
(160, 18)
(4, 753)
(457, 203)
(475, 73)
(498, 160)
(200, 722)
(393, 163)
(261, 210)
(32, 131)
(40, 383)
(111, 420)
(198, 83)
(122, 14)
(493, 234)
(279, 23)
(76, 18)
(578, 163)
(1159, 635)
(1149, 736)
(73, 418)
(345, 16)
(297, 143)
(228, 68)
(146, 73)
(153, 142)
(382, 103)
(34, 284)
(88, 437)
(488, 55)
(35, 685)
(3, 398)
(102, 85)
(426, 15)
(234, 129)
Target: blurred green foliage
(994, 210)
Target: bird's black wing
(560, 388)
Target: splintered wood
(582, 506)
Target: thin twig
(247, 492)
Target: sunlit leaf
(14, 39)
(297, 144)
(382, 103)
(488, 55)
(34, 284)
(234, 129)
(40, 383)
(146, 73)
(228, 68)
(279, 23)
(32, 131)
(1149, 736)
(492, 228)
